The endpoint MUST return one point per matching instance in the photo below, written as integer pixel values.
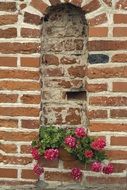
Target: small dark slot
(76, 95)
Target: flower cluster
(77, 143)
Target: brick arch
(89, 6)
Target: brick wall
(21, 80)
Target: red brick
(120, 19)
(96, 87)
(8, 98)
(8, 148)
(119, 141)
(95, 114)
(57, 176)
(39, 5)
(28, 174)
(77, 71)
(54, 2)
(30, 33)
(19, 111)
(25, 149)
(121, 4)
(107, 72)
(49, 164)
(15, 160)
(17, 47)
(8, 33)
(8, 173)
(119, 58)
(117, 154)
(30, 124)
(50, 59)
(98, 31)
(8, 19)
(97, 127)
(12, 85)
(32, 18)
(92, 6)
(100, 19)
(8, 6)
(15, 183)
(120, 32)
(73, 116)
(106, 180)
(119, 167)
(108, 101)
(30, 62)
(19, 74)
(119, 86)
(8, 61)
(8, 123)
(18, 136)
(118, 113)
(107, 45)
(31, 99)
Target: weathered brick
(57, 176)
(31, 99)
(52, 72)
(50, 59)
(119, 86)
(18, 136)
(30, 124)
(120, 31)
(73, 116)
(8, 148)
(19, 74)
(39, 5)
(15, 160)
(30, 61)
(118, 113)
(97, 127)
(32, 18)
(121, 5)
(97, 20)
(8, 6)
(25, 149)
(17, 47)
(8, 19)
(118, 141)
(28, 174)
(8, 33)
(77, 71)
(95, 114)
(96, 87)
(92, 6)
(8, 173)
(8, 123)
(8, 61)
(120, 19)
(12, 85)
(30, 33)
(119, 58)
(119, 167)
(8, 98)
(108, 2)
(98, 31)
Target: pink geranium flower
(98, 144)
(70, 141)
(96, 166)
(51, 154)
(80, 132)
(35, 153)
(108, 169)
(76, 174)
(38, 169)
(88, 153)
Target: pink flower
(98, 144)
(96, 166)
(80, 132)
(38, 170)
(88, 153)
(51, 154)
(108, 169)
(76, 174)
(35, 153)
(70, 141)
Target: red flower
(35, 153)
(51, 154)
(70, 141)
(38, 170)
(96, 167)
(80, 132)
(76, 174)
(88, 153)
(108, 169)
(98, 144)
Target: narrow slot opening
(76, 95)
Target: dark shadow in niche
(76, 95)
